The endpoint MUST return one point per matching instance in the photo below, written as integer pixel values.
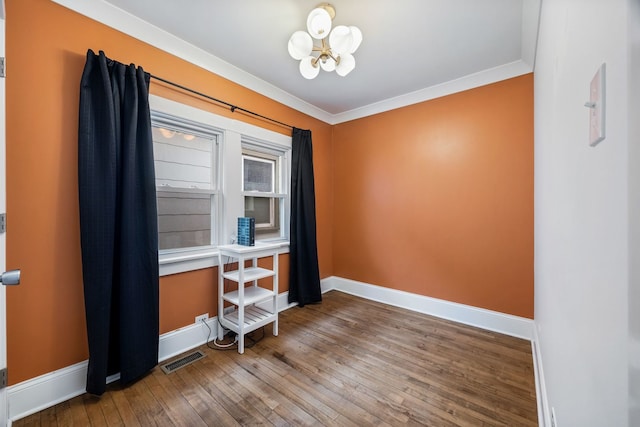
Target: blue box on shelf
(246, 231)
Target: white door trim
(3, 205)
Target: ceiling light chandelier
(336, 47)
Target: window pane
(184, 220)
(266, 211)
(258, 175)
(258, 208)
(183, 160)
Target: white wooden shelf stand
(253, 306)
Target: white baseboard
(544, 413)
(508, 324)
(47, 390)
(52, 388)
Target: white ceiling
(412, 50)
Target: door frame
(4, 407)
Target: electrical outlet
(202, 317)
(553, 418)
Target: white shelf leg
(220, 332)
(241, 305)
(275, 293)
(220, 302)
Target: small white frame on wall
(596, 105)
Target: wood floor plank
(110, 411)
(78, 412)
(48, 417)
(243, 412)
(480, 366)
(344, 362)
(362, 346)
(176, 406)
(273, 398)
(94, 412)
(256, 393)
(148, 410)
(360, 364)
(35, 420)
(207, 406)
(63, 413)
(125, 410)
(292, 388)
(385, 404)
(328, 397)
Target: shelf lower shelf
(250, 274)
(252, 295)
(254, 318)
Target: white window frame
(235, 135)
(261, 151)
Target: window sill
(180, 262)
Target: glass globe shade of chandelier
(336, 49)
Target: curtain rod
(232, 107)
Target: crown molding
(123, 21)
(482, 78)
(118, 19)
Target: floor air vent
(182, 362)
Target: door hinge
(4, 373)
(2, 73)
(3, 222)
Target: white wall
(582, 204)
(634, 213)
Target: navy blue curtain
(304, 274)
(118, 221)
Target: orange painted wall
(46, 46)
(437, 198)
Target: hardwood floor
(345, 362)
